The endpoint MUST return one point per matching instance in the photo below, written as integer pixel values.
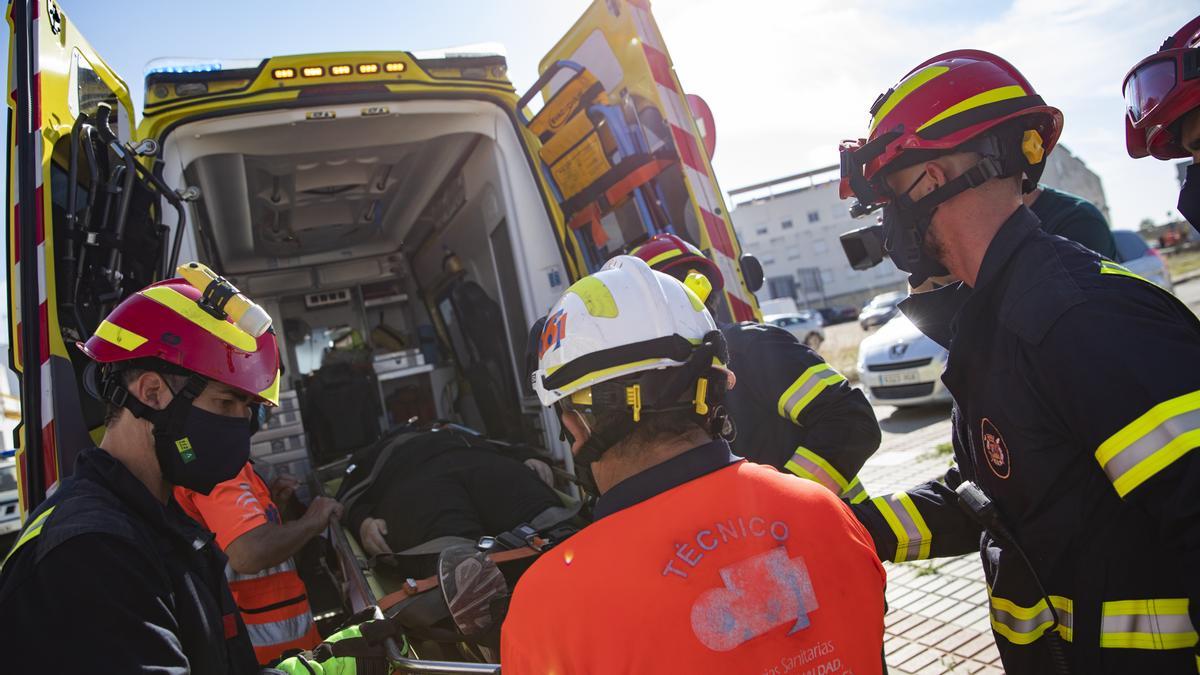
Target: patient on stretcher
(444, 484)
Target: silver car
(806, 325)
(899, 366)
(1136, 255)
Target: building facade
(793, 224)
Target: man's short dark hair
(127, 377)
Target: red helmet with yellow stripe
(670, 254)
(938, 107)
(169, 322)
(1159, 91)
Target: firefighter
(698, 561)
(109, 574)
(791, 409)
(1162, 99)
(1076, 387)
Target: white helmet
(624, 319)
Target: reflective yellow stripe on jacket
(807, 387)
(913, 537)
(1023, 625)
(31, 532)
(807, 464)
(1124, 624)
(1147, 624)
(1151, 443)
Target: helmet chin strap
(669, 388)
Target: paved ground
(938, 618)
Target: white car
(1141, 259)
(805, 324)
(10, 514)
(899, 366)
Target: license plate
(907, 377)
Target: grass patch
(926, 568)
(940, 450)
(844, 360)
(1183, 263)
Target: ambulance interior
(383, 240)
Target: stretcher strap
(416, 586)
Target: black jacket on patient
(443, 483)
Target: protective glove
(356, 650)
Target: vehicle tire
(813, 341)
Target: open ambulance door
(84, 230)
(621, 149)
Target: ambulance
(404, 217)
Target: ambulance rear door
(621, 147)
(83, 230)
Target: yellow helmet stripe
(188, 309)
(908, 86)
(663, 257)
(121, 337)
(596, 297)
(990, 96)
(271, 393)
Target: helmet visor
(1148, 86)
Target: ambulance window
(310, 352)
(89, 90)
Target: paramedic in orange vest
(260, 546)
(698, 561)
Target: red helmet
(1159, 90)
(938, 106)
(672, 255)
(166, 321)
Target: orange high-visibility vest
(274, 602)
(742, 570)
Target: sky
(786, 79)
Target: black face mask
(1189, 196)
(205, 450)
(905, 226)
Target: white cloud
(787, 80)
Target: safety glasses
(1152, 80)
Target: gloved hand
(356, 650)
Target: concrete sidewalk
(938, 618)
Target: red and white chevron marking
(36, 211)
(690, 149)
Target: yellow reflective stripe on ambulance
(807, 464)
(1147, 624)
(188, 309)
(913, 537)
(1024, 625)
(1109, 267)
(31, 532)
(806, 387)
(1151, 443)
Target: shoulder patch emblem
(995, 449)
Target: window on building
(781, 287)
(768, 261)
(786, 225)
(776, 240)
(760, 231)
(820, 247)
(814, 216)
(826, 276)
